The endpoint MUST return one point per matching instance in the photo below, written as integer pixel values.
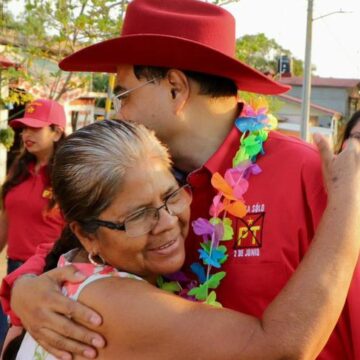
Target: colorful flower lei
(255, 124)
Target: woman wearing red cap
(26, 220)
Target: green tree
(49, 30)
(263, 53)
(6, 18)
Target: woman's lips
(167, 247)
(29, 143)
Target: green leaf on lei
(215, 279)
(171, 286)
(262, 135)
(240, 156)
(228, 230)
(201, 292)
(159, 281)
(222, 248)
(215, 220)
(252, 145)
(211, 300)
(206, 246)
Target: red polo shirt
(29, 220)
(285, 202)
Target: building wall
(332, 98)
(83, 111)
(291, 113)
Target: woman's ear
(179, 88)
(58, 132)
(88, 241)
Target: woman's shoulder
(94, 274)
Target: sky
(335, 38)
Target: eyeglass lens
(144, 221)
(117, 99)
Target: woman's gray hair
(90, 165)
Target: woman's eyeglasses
(143, 221)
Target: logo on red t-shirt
(248, 232)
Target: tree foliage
(49, 30)
(263, 53)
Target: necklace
(254, 124)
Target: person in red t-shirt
(177, 74)
(26, 219)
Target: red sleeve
(354, 311)
(34, 265)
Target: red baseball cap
(41, 113)
(183, 34)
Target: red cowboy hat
(183, 34)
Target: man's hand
(341, 172)
(56, 322)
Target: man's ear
(88, 241)
(179, 88)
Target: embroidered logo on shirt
(47, 193)
(248, 231)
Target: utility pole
(108, 101)
(306, 89)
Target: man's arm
(349, 325)
(296, 325)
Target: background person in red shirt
(26, 219)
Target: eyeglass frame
(122, 226)
(116, 98)
(355, 135)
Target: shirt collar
(221, 160)
(42, 169)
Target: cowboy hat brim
(170, 52)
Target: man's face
(148, 103)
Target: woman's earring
(94, 262)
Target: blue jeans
(12, 265)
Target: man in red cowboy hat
(177, 74)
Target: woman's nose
(166, 221)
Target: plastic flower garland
(255, 124)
